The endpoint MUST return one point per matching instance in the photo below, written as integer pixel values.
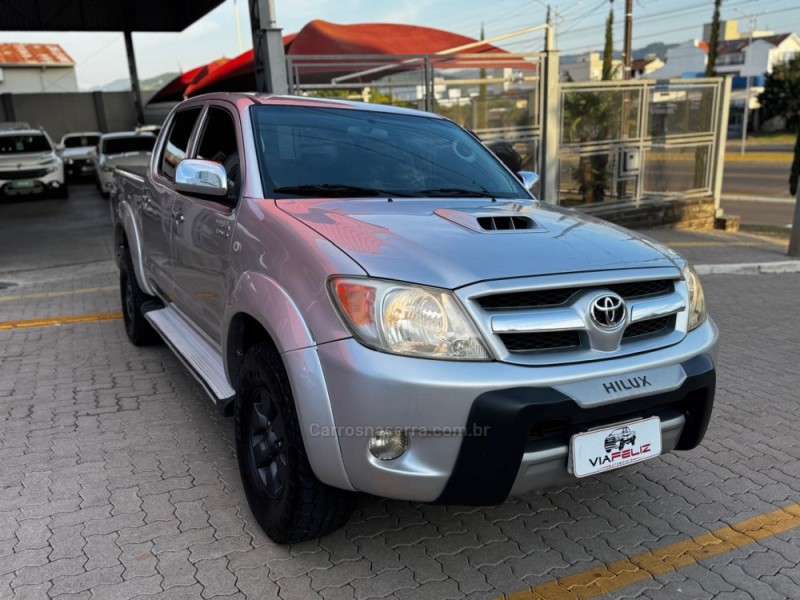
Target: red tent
(321, 38)
(175, 89)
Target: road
(757, 178)
(762, 212)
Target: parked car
(29, 164)
(78, 151)
(122, 148)
(154, 129)
(383, 307)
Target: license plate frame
(23, 184)
(614, 446)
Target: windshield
(81, 141)
(13, 144)
(318, 151)
(129, 144)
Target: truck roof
(278, 99)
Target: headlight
(407, 319)
(697, 300)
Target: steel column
(268, 53)
(137, 92)
(721, 139)
(551, 127)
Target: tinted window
(124, 145)
(218, 143)
(178, 142)
(395, 153)
(81, 141)
(11, 144)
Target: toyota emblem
(608, 311)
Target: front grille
(23, 174)
(555, 297)
(532, 342)
(647, 327)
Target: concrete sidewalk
(724, 252)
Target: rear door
(158, 199)
(201, 247)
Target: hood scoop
(490, 221)
(506, 223)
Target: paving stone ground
(119, 480)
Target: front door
(201, 247)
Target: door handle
(178, 216)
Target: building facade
(36, 68)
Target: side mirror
(203, 177)
(528, 179)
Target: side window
(178, 142)
(218, 143)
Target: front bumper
(479, 432)
(79, 167)
(48, 183)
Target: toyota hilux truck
(383, 307)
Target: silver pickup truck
(383, 307)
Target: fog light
(388, 444)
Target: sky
(100, 57)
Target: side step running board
(201, 358)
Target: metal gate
(631, 140)
(590, 142)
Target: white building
(36, 68)
(688, 58)
(589, 67)
(642, 68)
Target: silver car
(383, 307)
(78, 151)
(120, 149)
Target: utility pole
(746, 116)
(627, 53)
(268, 56)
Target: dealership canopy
(102, 15)
(126, 16)
(322, 39)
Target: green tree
(781, 97)
(713, 43)
(608, 49)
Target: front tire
(137, 327)
(284, 495)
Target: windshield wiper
(455, 192)
(335, 190)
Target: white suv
(29, 164)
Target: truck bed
(139, 172)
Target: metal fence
(496, 96)
(629, 140)
(591, 143)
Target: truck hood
(441, 243)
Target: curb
(771, 268)
(765, 199)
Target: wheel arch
(261, 311)
(127, 237)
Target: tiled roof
(733, 46)
(34, 55)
